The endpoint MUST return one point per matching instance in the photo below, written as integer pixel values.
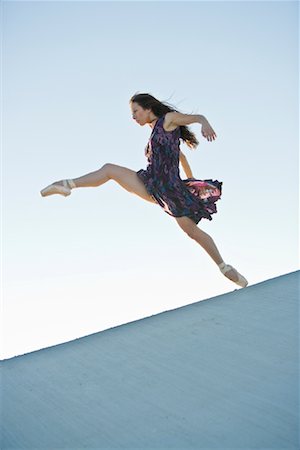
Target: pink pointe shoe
(241, 281)
(64, 189)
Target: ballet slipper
(241, 281)
(64, 189)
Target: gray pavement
(217, 374)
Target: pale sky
(102, 257)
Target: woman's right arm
(185, 165)
(179, 119)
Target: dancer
(188, 200)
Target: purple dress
(190, 197)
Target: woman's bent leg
(206, 242)
(192, 230)
(126, 178)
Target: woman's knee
(128, 179)
(188, 226)
(109, 169)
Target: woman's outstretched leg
(126, 178)
(206, 242)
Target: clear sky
(102, 257)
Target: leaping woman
(187, 200)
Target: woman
(189, 200)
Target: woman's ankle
(71, 183)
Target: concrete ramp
(218, 374)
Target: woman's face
(139, 114)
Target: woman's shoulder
(167, 124)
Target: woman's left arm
(179, 119)
(185, 165)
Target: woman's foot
(62, 187)
(232, 274)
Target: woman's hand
(207, 131)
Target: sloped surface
(221, 373)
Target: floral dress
(191, 197)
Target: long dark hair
(158, 108)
